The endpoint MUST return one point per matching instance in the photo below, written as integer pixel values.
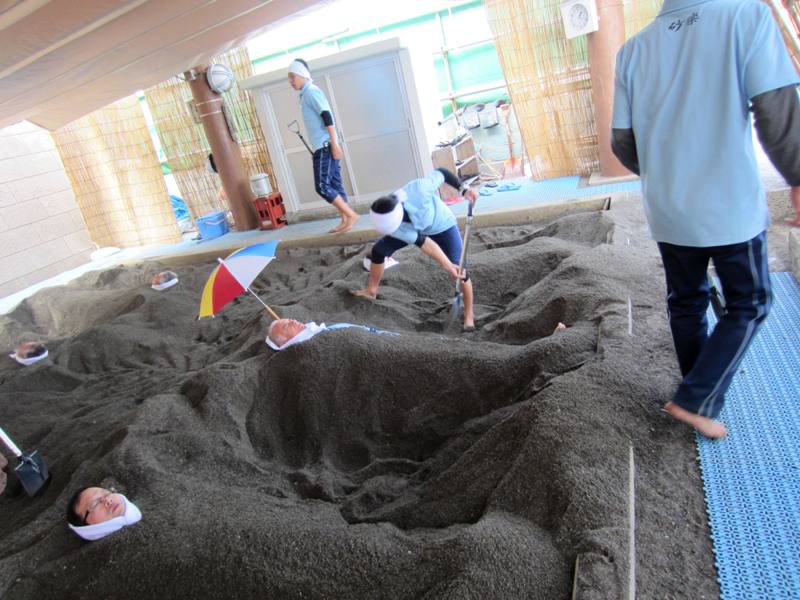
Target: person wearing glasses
(95, 512)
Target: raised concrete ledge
(516, 216)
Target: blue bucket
(212, 225)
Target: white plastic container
(259, 183)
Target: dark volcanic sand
(358, 465)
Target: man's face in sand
(29, 349)
(296, 81)
(161, 278)
(284, 330)
(97, 505)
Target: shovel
(294, 127)
(458, 300)
(30, 469)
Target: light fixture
(219, 77)
(580, 17)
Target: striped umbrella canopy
(234, 275)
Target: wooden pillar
(603, 46)
(227, 155)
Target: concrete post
(603, 46)
(227, 155)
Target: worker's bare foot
(336, 229)
(365, 293)
(347, 223)
(560, 327)
(793, 222)
(705, 426)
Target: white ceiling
(61, 59)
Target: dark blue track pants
(709, 362)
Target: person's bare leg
(348, 215)
(375, 276)
(707, 427)
(469, 317)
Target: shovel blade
(453, 324)
(32, 472)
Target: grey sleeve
(623, 145)
(777, 122)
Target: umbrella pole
(269, 310)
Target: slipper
(509, 186)
(491, 183)
(388, 263)
(454, 200)
(486, 192)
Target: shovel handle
(10, 444)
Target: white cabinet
(375, 106)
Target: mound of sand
(355, 465)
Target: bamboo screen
(787, 13)
(547, 77)
(116, 177)
(185, 144)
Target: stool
(270, 208)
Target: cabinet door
(371, 108)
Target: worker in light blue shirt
(685, 89)
(415, 214)
(325, 148)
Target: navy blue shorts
(328, 175)
(448, 240)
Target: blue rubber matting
(752, 477)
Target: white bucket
(259, 183)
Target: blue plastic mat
(752, 477)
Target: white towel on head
(163, 286)
(131, 515)
(28, 361)
(310, 331)
(299, 68)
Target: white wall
(41, 229)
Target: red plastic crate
(271, 212)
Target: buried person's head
(29, 353)
(95, 512)
(282, 330)
(30, 350)
(163, 280)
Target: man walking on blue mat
(685, 87)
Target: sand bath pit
(355, 465)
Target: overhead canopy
(62, 59)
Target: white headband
(166, 285)
(91, 533)
(299, 68)
(28, 361)
(387, 223)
